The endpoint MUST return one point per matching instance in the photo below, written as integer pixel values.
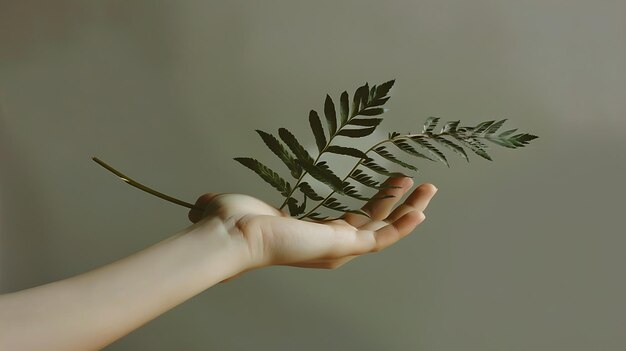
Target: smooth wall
(522, 253)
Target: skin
(234, 234)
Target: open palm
(275, 238)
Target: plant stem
(346, 177)
(405, 136)
(138, 185)
(318, 156)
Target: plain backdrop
(522, 253)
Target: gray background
(523, 253)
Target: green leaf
(450, 127)
(318, 131)
(366, 122)
(371, 93)
(404, 146)
(507, 133)
(383, 89)
(477, 147)
(452, 146)
(322, 173)
(294, 209)
(267, 174)
(522, 139)
(501, 141)
(368, 181)
(494, 127)
(334, 204)
(344, 109)
(375, 111)
(433, 150)
(481, 127)
(356, 133)
(378, 102)
(295, 146)
(346, 151)
(331, 118)
(351, 191)
(430, 124)
(359, 95)
(279, 150)
(369, 163)
(383, 152)
(308, 191)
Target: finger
(377, 208)
(418, 200)
(395, 231)
(194, 214)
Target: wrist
(221, 246)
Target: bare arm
(91, 310)
(234, 234)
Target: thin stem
(344, 179)
(138, 185)
(361, 160)
(319, 155)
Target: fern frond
(267, 174)
(279, 150)
(383, 152)
(421, 141)
(318, 130)
(295, 146)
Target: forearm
(93, 309)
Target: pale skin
(235, 234)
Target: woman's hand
(272, 237)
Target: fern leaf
(350, 190)
(433, 150)
(369, 163)
(295, 146)
(308, 191)
(383, 89)
(294, 209)
(404, 146)
(481, 127)
(374, 111)
(356, 133)
(452, 146)
(522, 139)
(267, 174)
(430, 124)
(477, 147)
(322, 173)
(344, 109)
(371, 93)
(334, 204)
(494, 127)
(318, 131)
(368, 181)
(383, 152)
(349, 151)
(279, 150)
(378, 102)
(507, 133)
(359, 95)
(450, 127)
(365, 122)
(329, 112)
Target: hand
(272, 237)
